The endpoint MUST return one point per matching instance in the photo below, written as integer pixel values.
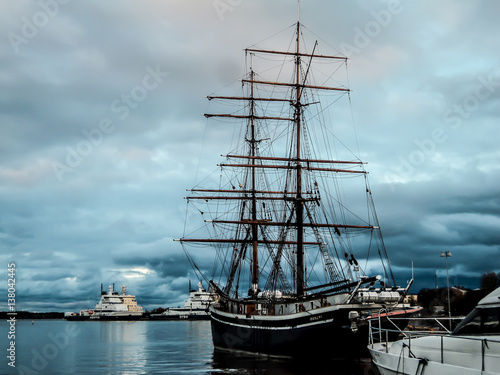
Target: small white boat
(472, 348)
(196, 307)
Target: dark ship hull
(116, 317)
(328, 332)
(77, 317)
(302, 334)
(201, 315)
(97, 318)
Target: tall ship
(195, 308)
(299, 256)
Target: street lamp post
(447, 254)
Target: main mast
(299, 208)
(253, 142)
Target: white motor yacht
(472, 348)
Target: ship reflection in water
(231, 363)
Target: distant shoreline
(31, 315)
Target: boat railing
(379, 334)
(434, 326)
(384, 329)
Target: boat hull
(392, 364)
(116, 317)
(323, 333)
(103, 318)
(77, 318)
(186, 316)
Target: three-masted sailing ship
(294, 272)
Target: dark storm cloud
(102, 128)
(175, 265)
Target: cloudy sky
(101, 129)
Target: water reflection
(122, 346)
(238, 363)
(145, 347)
(179, 347)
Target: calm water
(147, 347)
